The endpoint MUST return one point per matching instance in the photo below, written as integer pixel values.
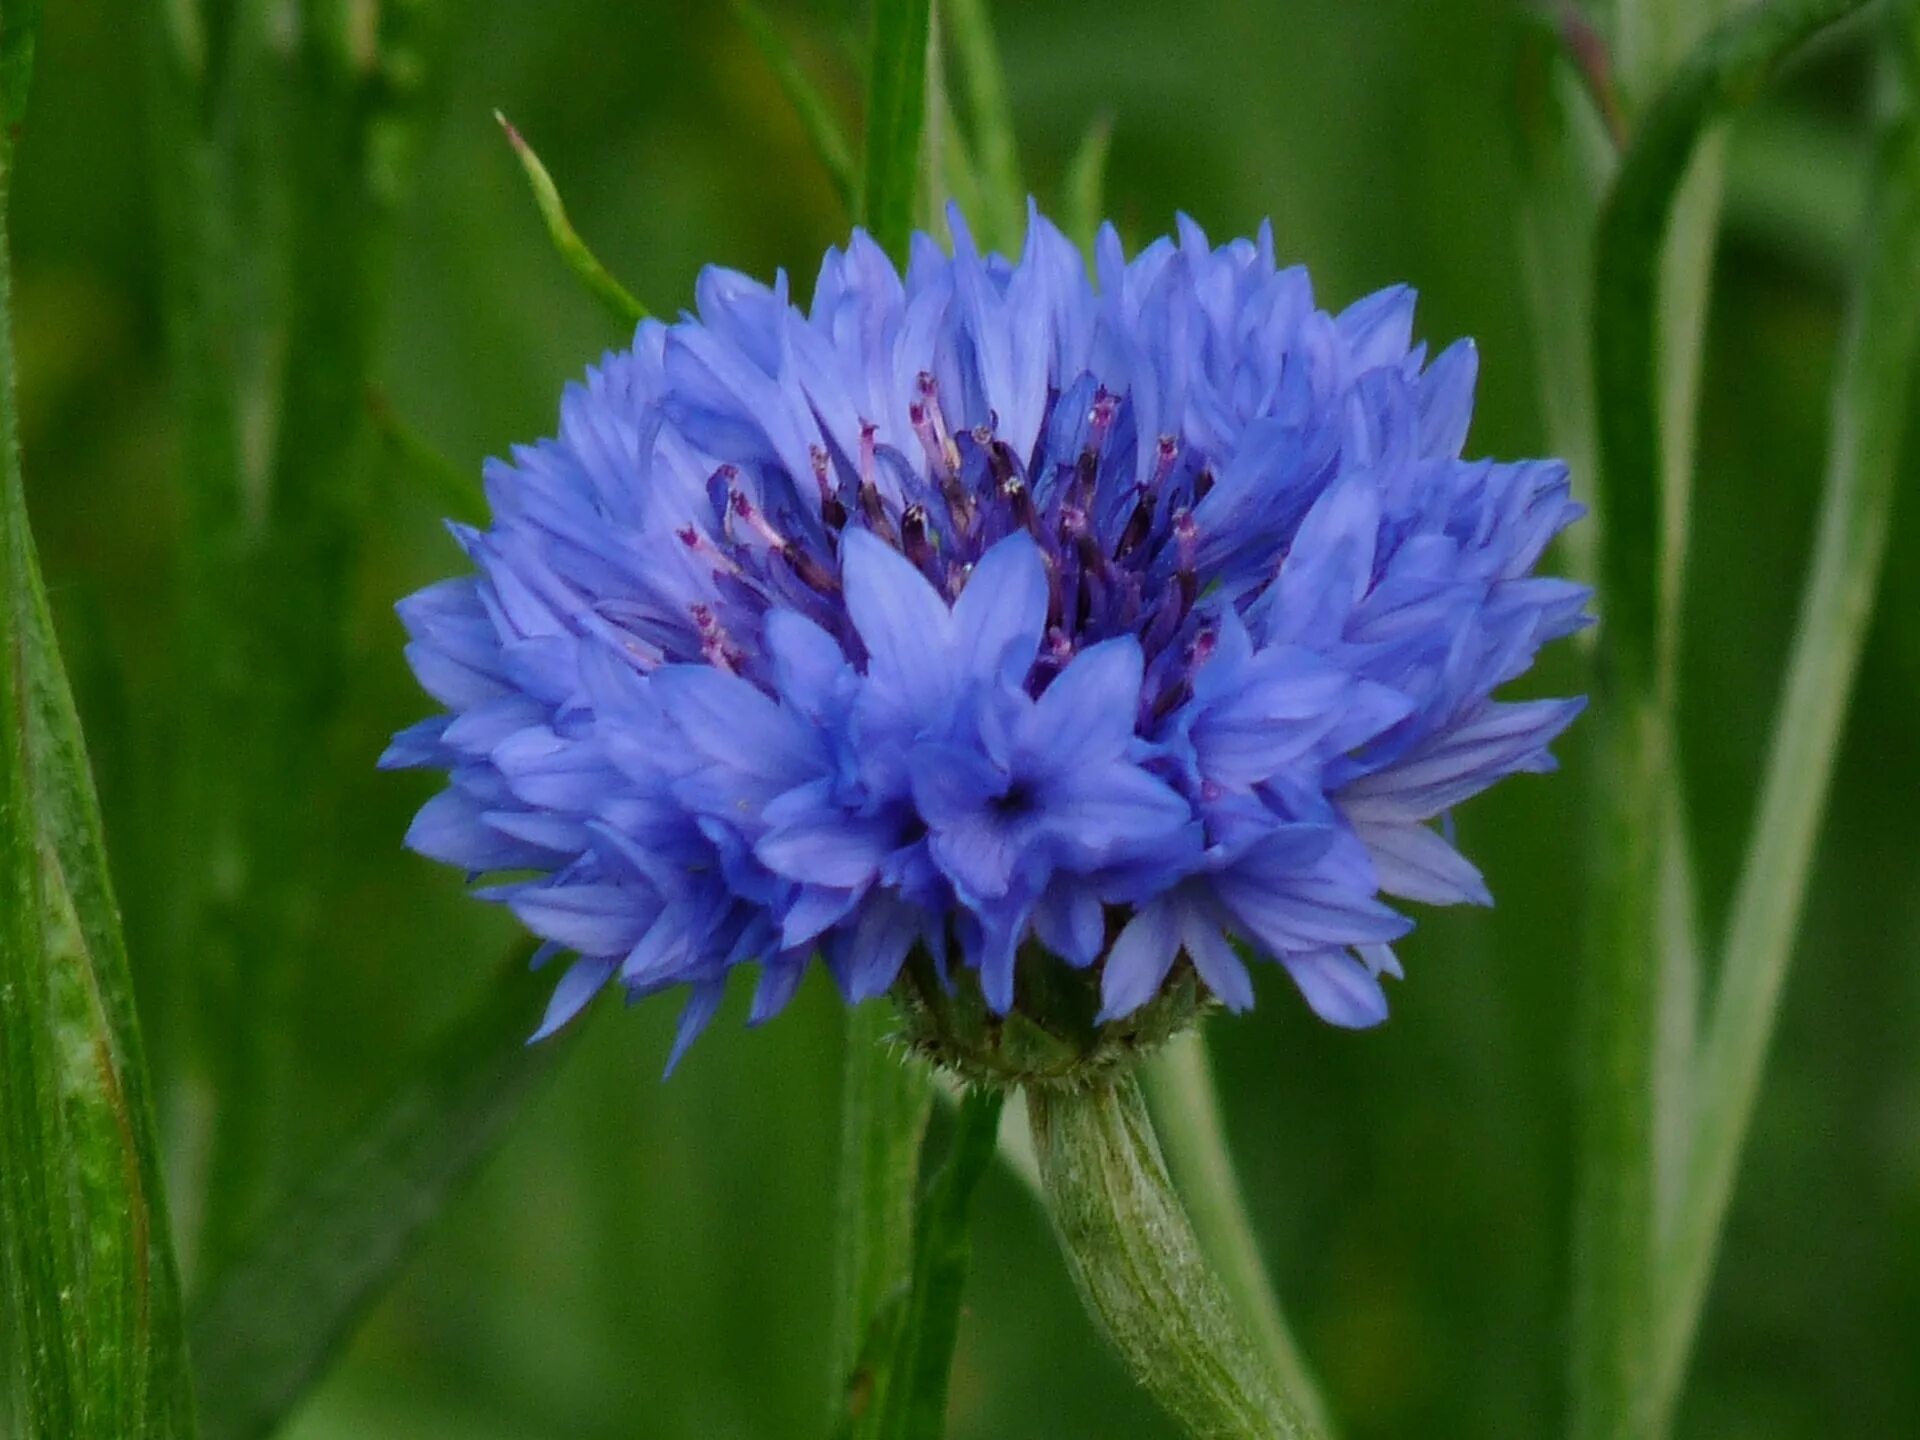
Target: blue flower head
(1034, 645)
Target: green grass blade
(1872, 397)
(1001, 219)
(884, 1107)
(456, 493)
(92, 1298)
(915, 1390)
(1186, 1111)
(573, 251)
(268, 1326)
(19, 34)
(1084, 189)
(816, 116)
(1616, 1228)
(884, 1101)
(896, 115)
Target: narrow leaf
(884, 1107)
(916, 1382)
(573, 250)
(1002, 216)
(91, 1297)
(19, 34)
(896, 113)
(816, 116)
(269, 1326)
(457, 493)
(1873, 394)
(1083, 203)
(1615, 1234)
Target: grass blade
(1003, 206)
(1615, 1229)
(816, 117)
(884, 1108)
(584, 264)
(1084, 190)
(915, 1405)
(92, 1298)
(896, 114)
(884, 1102)
(269, 1325)
(1872, 396)
(19, 34)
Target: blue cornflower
(987, 628)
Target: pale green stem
(1871, 400)
(1186, 1104)
(884, 1113)
(1140, 1270)
(1616, 1228)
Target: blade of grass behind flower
(1000, 217)
(573, 251)
(1616, 1229)
(1872, 397)
(268, 1326)
(816, 116)
(1084, 188)
(896, 113)
(884, 1101)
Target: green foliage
(823, 128)
(912, 1394)
(93, 1338)
(1638, 840)
(572, 249)
(664, 1252)
(1134, 1257)
(279, 1314)
(896, 119)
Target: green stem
(1180, 1088)
(1870, 405)
(884, 1107)
(1615, 1234)
(1140, 1271)
(915, 1407)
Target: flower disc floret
(998, 618)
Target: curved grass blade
(1872, 396)
(914, 1404)
(267, 1327)
(1003, 205)
(816, 117)
(884, 1106)
(93, 1331)
(1084, 190)
(1616, 1233)
(896, 115)
(584, 264)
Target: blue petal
(998, 618)
(583, 980)
(1138, 963)
(903, 622)
(1340, 989)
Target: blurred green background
(648, 1260)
